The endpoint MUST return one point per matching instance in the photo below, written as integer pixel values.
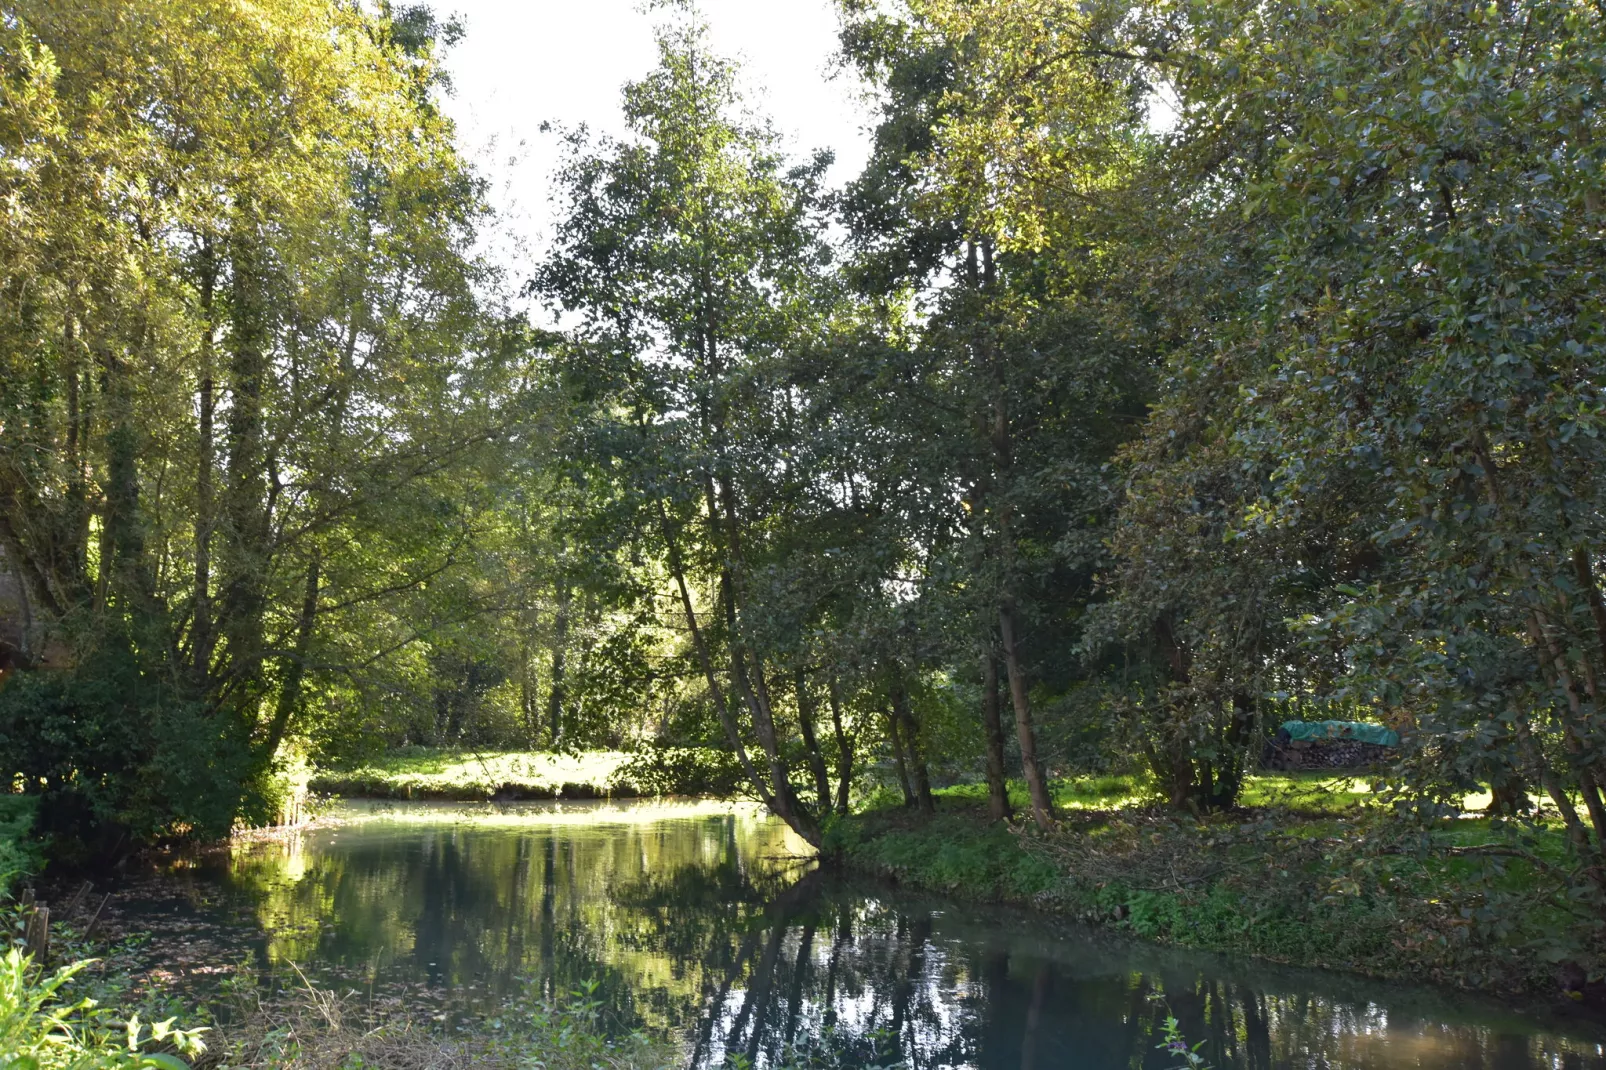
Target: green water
(702, 920)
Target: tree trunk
(244, 524)
(1036, 783)
(914, 749)
(844, 750)
(716, 692)
(894, 734)
(123, 544)
(816, 758)
(1042, 803)
(747, 667)
(556, 697)
(1585, 570)
(1561, 679)
(201, 613)
(295, 669)
(529, 684)
(1508, 797)
(993, 729)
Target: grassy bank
(59, 1021)
(1310, 872)
(86, 1009)
(308, 1028)
(465, 775)
(474, 775)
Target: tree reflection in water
(704, 922)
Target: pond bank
(83, 1007)
(705, 924)
(463, 775)
(1336, 891)
(472, 776)
(85, 1015)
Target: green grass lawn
(1304, 791)
(1312, 869)
(430, 773)
(1072, 793)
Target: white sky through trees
(525, 62)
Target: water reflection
(704, 920)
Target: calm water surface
(704, 920)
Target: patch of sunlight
(544, 811)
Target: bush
(682, 771)
(19, 853)
(41, 1028)
(117, 757)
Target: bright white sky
(525, 62)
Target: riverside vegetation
(85, 1010)
(1173, 368)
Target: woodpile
(1324, 754)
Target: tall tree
(690, 255)
(1034, 392)
(240, 344)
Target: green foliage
(43, 1028)
(111, 753)
(19, 849)
(46, 1024)
(660, 770)
(1175, 1044)
(1473, 904)
(242, 349)
(1062, 441)
(951, 855)
(447, 773)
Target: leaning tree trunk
(1036, 782)
(775, 796)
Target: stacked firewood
(1324, 754)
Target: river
(706, 921)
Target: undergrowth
(1320, 879)
(308, 1028)
(19, 854)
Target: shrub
(118, 757)
(682, 771)
(41, 1028)
(19, 853)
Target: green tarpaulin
(1320, 730)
